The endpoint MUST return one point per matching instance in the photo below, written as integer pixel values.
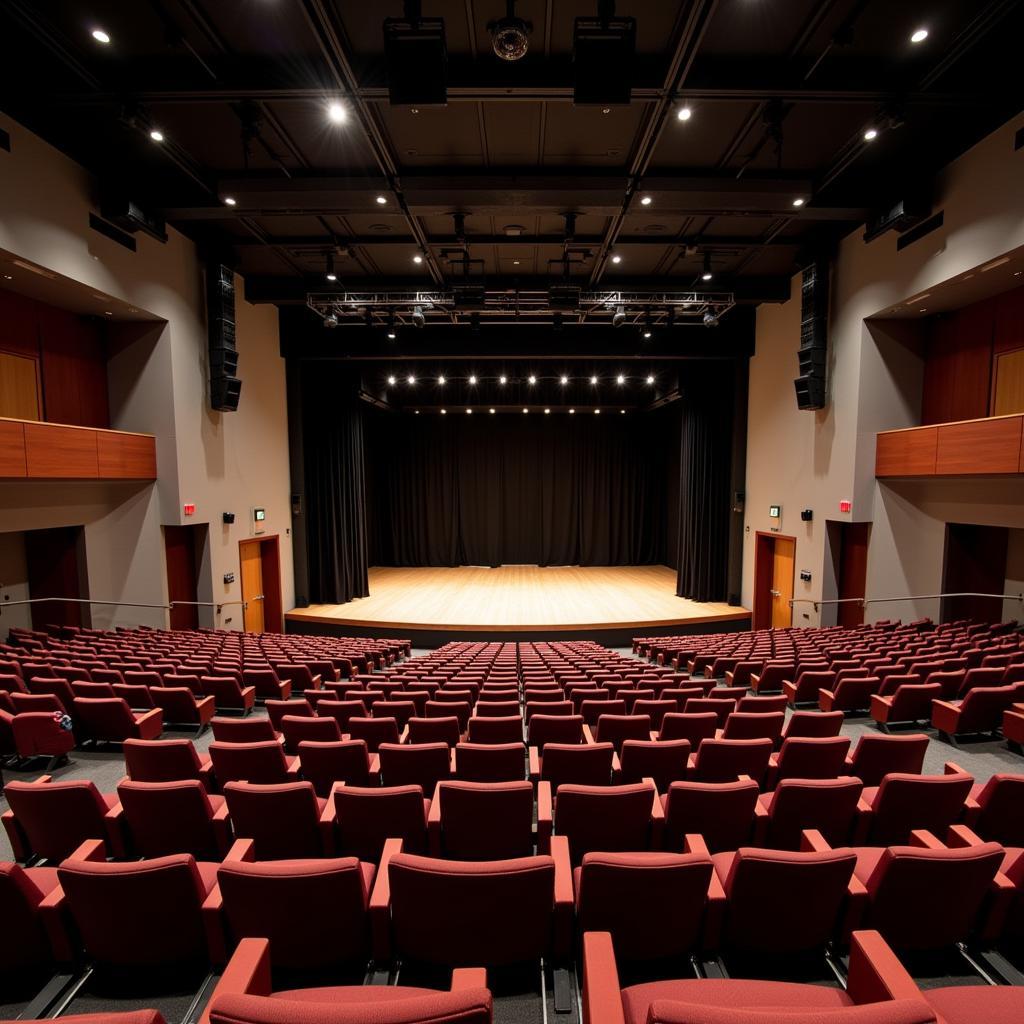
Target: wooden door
(19, 386)
(180, 555)
(252, 585)
(853, 572)
(975, 564)
(53, 571)
(783, 564)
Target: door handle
(775, 593)
(258, 597)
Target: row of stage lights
(472, 379)
(526, 411)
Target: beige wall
(816, 459)
(221, 462)
(13, 582)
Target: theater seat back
(23, 942)
(486, 821)
(58, 816)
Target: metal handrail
(865, 601)
(218, 605)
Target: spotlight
(330, 275)
(623, 411)
(593, 380)
(382, 200)
(156, 135)
(547, 412)
(616, 259)
(230, 200)
(410, 379)
(469, 412)
(647, 334)
(417, 258)
(597, 412)
(919, 36)
(392, 380)
(572, 412)
(330, 320)
(441, 380)
(391, 334)
(100, 36)
(707, 275)
(444, 412)
(510, 36)
(619, 316)
(646, 201)
(871, 133)
(525, 411)
(531, 379)
(503, 379)
(650, 378)
(563, 379)
(710, 319)
(491, 411)
(799, 201)
(620, 379)
(684, 113)
(472, 378)
(418, 318)
(336, 113)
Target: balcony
(985, 447)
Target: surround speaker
(416, 58)
(602, 51)
(225, 387)
(812, 357)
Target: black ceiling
(781, 93)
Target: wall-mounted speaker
(811, 385)
(225, 386)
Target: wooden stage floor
(518, 600)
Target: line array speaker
(225, 387)
(811, 385)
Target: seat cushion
(968, 1004)
(731, 992)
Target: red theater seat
(829, 806)
(608, 818)
(808, 757)
(162, 818)
(284, 821)
(482, 820)
(723, 813)
(365, 818)
(726, 760)
(264, 763)
(903, 803)
(297, 728)
(508, 729)
(874, 757)
(995, 810)
(166, 761)
(414, 764)
(110, 720)
(661, 761)
(324, 764)
(588, 764)
(485, 762)
(243, 730)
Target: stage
(519, 602)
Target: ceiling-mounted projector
(510, 36)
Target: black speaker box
(224, 393)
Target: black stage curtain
(705, 472)
(534, 490)
(338, 552)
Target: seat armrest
(657, 815)
(812, 841)
(434, 823)
(221, 823)
(18, 840)
(960, 836)
(143, 720)
(588, 734)
(53, 909)
(242, 851)
(293, 767)
(206, 776)
(952, 768)
(875, 973)
(534, 755)
(91, 849)
(616, 768)
(403, 736)
(601, 996)
(862, 822)
(374, 770)
(247, 973)
(971, 810)
(114, 823)
(380, 904)
(564, 900)
(544, 817)
(213, 924)
(468, 977)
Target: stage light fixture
(623, 411)
(503, 379)
(707, 275)
(572, 412)
(620, 379)
(525, 411)
(469, 412)
(472, 378)
(710, 319)
(563, 379)
(382, 200)
(646, 201)
(444, 412)
(392, 380)
(416, 58)
(531, 379)
(647, 334)
(510, 36)
(616, 259)
(156, 135)
(330, 274)
(919, 36)
(410, 379)
(593, 380)
(418, 318)
(650, 378)
(547, 412)
(871, 133)
(799, 201)
(619, 316)
(441, 380)
(336, 113)
(230, 200)
(100, 36)
(684, 113)
(597, 412)
(417, 258)
(491, 411)
(391, 334)
(603, 51)
(330, 320)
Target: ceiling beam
(319, 244)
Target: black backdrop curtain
(536, 490)
(705, 473)
(337, 549)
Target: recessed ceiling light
(230, 200)
(391, 380)
(919, 36)
(414, 110)
(593, 380)
(623, 411)
(871, 133)
(597, 412)
(547, 412)
(8, 277)
(417, 258)
(515, 263)
(491, 411)
(606, 110)
(382, 200)
(336, 113)
(563, 379)
(331, 276)
(799, 201)
(706, 276)
(100, 36)
(469, 412)
(531, 379)
(572, 412)
(684, 113)
(526, 410)
(503, 379)
(444, 412)
(441, 380)
(647, 334)
(391, 335)
(616, 258)
(156, 135)
(650, 378)
(646, 201)
(620, 379)
(472, 378)
(411, 379)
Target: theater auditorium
(512, 512)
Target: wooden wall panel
(981, 446)
(12, 449)
(125, 456)
(19, 324)
(1008, 383)
(74, 369)
(61, 452)
(906, 452)
(19, 386)
(958, 366)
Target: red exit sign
(189, 510)
(846, 506)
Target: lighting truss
(512, 307)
